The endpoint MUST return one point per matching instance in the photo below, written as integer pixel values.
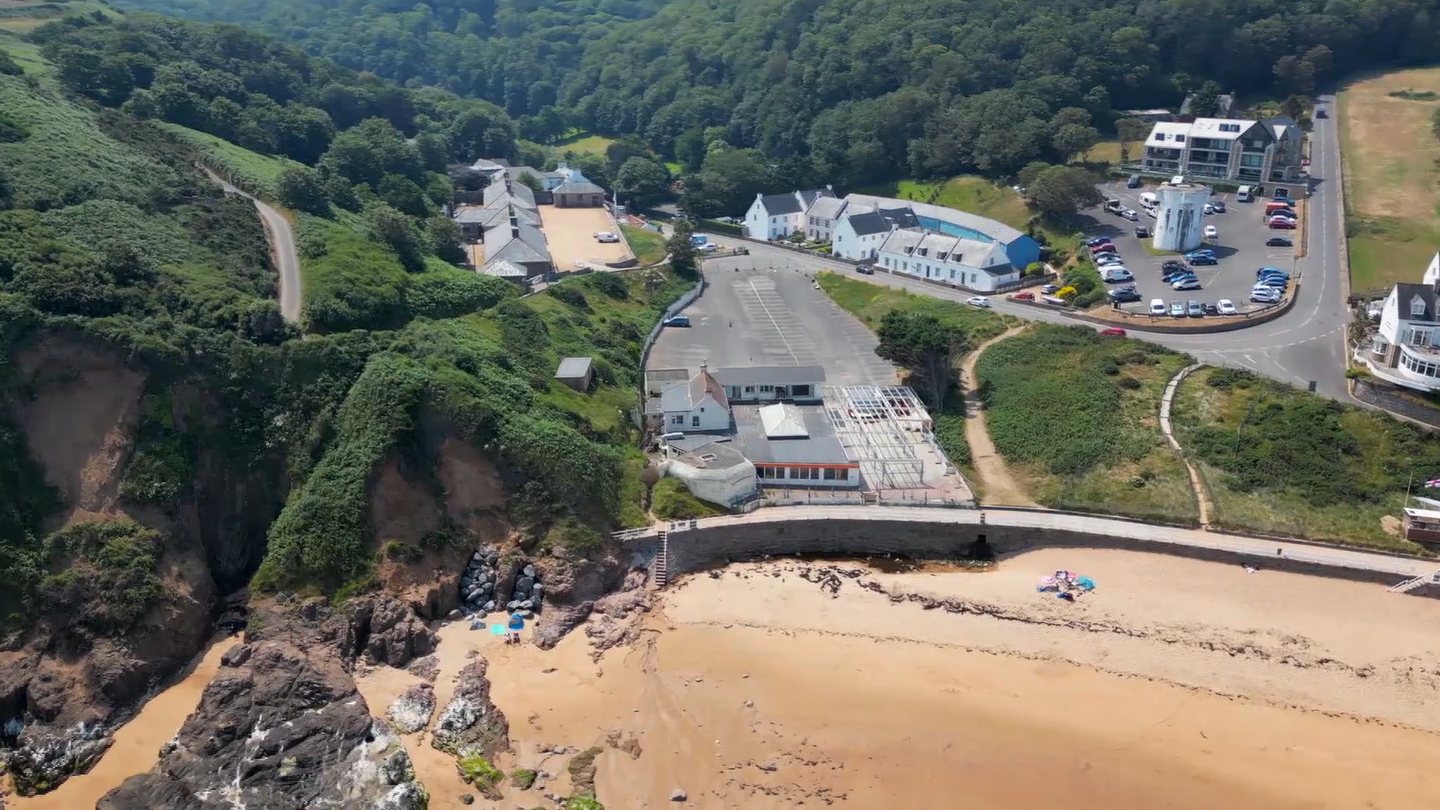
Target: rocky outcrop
(280, 727)
(471, 724)
(412, 710)
(388, 632)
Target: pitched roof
(1279, 125)
(826, 208)
(583, 186)
(1227, 129)
(504, 269)
(686, 396)
(1406, 293)
(811, 195)
(868, 224)
(516, 191)
(783, 421)
(907, 211)
(522, 244)
(777, 204)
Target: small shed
(576, 372)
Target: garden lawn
(585, 144)
(869, 302)
(647, 245)
(1278, 460)
(1076, 416)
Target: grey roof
(708, 454)
(528, 246)
(903, 211)
(1405, 293)
(504, 269)
(516, 191)
(1279, 125)
(868, 224)
(770, 375)
(472, 214)
(687, 395)
(777, 204)
(811, 195)
(820, 447)
(573, 368)
(582, 187)
(939, 247)
(827, 207)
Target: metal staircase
(1415, 582)
(662, 561)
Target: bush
(611, 285)
(403, 551)
(523, 778)
(104, 573)
(950, 433)
(671, 500)
(575, 537)
(721, 227)
(1227, 379)
(571, 295)
(448, 293)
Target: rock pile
(490, 583)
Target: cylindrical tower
(1180, 216)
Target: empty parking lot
(754, 315)
(570, 233)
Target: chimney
(514, 231)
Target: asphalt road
(282, 248)
(1305, 345)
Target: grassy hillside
(1392, 170)
(1076, 416)
(1281, 461)
(249, 170)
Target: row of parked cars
(1191, 308)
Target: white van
(1149, 199)
(1115, 273)
(1245, 194)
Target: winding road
(282, 247)
(1305, 345)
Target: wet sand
(137, 744)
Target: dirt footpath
(571, 235)
(997, 487)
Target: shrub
(523, 778)
(448, 293)
(575, 536)
(950, 433)
(611, 285)
(1129, 383)
(478, 771)
(403, 551)
(569, 294)
(104, 570)
(671, 500)
(1229, 378)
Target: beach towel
(497, 629)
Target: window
(842, 474)
(749, 389)
(829, 474)
(677, 420)
(887, 261)
(1419, 337)
(1179, 138)
(972, 278)
(1417, 307)
(765, 389)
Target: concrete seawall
(960, 534)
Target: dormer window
(1417, 307)
(941, 256)
(1179, 139)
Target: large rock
(387, 631)
(281, 727)
(412, 710)
(556, 621)
(471, 721)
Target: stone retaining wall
(701, 548)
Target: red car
(1026, 296)
(1113, 331)
(1105, 248)
(1282, 224)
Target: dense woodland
(849, 91)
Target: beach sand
(1178, 683)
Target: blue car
(1204, 258)
(1099, 240)
(1172, 275)
(1200, 252)
(1271, 271)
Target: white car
(1226, 307)
(1211, 232)
(606, 236)
(1190, 283)
(1108, 258)
(978, 301)
(708, 247)
(1130, 214)
(1157, 307)
(1266, 295)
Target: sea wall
(706, 546)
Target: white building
(1231, 149)
(771, 383)
(776, 216)
(1406, 349)
(969, 263)
(698, 405)
(823, 216)
(712, 471)
(862, 230)
(1180, 216)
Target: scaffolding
(880, 428)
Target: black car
(1171, 264)
(865, 269)
(1211, 309)
(1142, 232)
(1134, 181)
(1279, 241)
(1320, 113)
(1124, 296)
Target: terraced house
(777, 216)
(1226, 149)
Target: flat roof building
(576, 372)
(793, 445)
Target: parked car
(1142, 232)
(1171, 264)
(1265, 295)
(978, 301)
(1103, 259)
(1211, 232)
(1272, 271)
(1273, 281)
(1200, 252)
(1177, 309)
(1134, 181)
(1049, 289)
(1124, 295)
(1211, 309)
(1105, 248)
(1130, 214)
(1116, 273)
(1098, 240)
(1193, 309)
(1157, 307)
(708, 247)
(1113, 331)
(678, 320)
(1279, 241)
(606, 236)
(1226, 306)
(1282, 224)
(865, 269)
(1218, 206)
(1203, 258)
(1171, 278)
(1190, 283)
(1023, 296)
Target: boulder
(412, 710)
(470, 721)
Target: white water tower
(1180, 216)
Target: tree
(925, 347)
(1293, 106)
(1032, 170)
(402, 194)
(1294, 75)
(390, 227)
(1205, 102)
(1130, 130)
(682, 250)
(1073, 140)
(529, 179)
(445, 238)
(1061, 191)
(642, 181)
(303, 189)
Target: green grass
(249, 170)
(27, 16)
(1277, 460)
(648, 246)
(976, 195)
(672, 501)
(1076, 415)
(353, 283)
(869, 302)
(585, 144)
(1386, 250)
(27, 55)
(1108, 152)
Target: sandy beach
(1177, 683)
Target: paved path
(1202, 496)
(997, 485)
(282, 247)
(1400, 567)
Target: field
(584, 144)
(249, 170)
(24, 16)
(1109, 152)
(648, 246)
(975, 195)
(1076, 417)
(1277, 460)
(1392, 167)
(870, 302)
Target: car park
(1190, 283)
(1157, 307)
(1177, 309)
(1226, 306)
(1211, 232)
(1113, 331)
(978, 301)
(1193, 309)
(1279, 241)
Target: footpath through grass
(1076, 416)
(1282, 461)
(1392, 175)
(647, 245)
